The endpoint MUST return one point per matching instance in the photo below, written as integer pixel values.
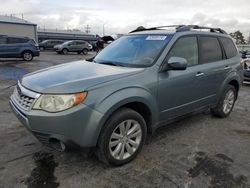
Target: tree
(238, 36)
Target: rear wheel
(85, 51)
(65, 51)
(27, 55)
(122, 137)
(226, 103)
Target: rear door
(211, 68)
(81, 45)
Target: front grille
(25, 102)
(43, 138)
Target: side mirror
(175, 63)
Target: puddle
(217, 168)
(42, 176)
(11, 73)
(242, 132)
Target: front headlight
(57, 103)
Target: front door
(178, 89)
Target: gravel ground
(199, 151)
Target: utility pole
(87, 29)
(103, 29)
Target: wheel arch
(145, 106)
(232, 79)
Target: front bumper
(75, 127)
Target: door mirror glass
(177, 63)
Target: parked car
(18, 47)
(78, 46)
(141, 81)
(246, 64)
(49, 44)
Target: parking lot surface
(199, 151)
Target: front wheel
(65, 51)
(85, 51)
(226, 103)
(122, 137)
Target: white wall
(18, 30)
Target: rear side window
(17, 40)
(2, 40)
(187, 48)
(229, 47)
(210, 49)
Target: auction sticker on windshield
(156, 37)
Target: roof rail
(181, 28)
(190, 27)
(141, 28)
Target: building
(45, 34)
(10, 25)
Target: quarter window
(210, 49)
(187, 48)
(229, 47)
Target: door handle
(227, 67)
(199, 74)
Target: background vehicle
(246, 64)
(138, 83)
(78, 46)
(18, 47)
(49, 44)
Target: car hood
(74, 77)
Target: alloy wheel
(125, 139)
(228, 101)
(27, 56)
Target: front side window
(133, 50)
(186, 48)
(229, 47)
(210, 49)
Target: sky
(125, 15)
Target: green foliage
(238, 36)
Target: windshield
(66, 43)
(44, 41)
(133, 50)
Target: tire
(85, 51)
(111, 140)
(65, 51)
(27, 56)
(228, 99)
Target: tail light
(36, 46)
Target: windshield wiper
(113, 63)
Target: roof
(14, 20)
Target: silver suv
(138, 83)
(78, 46)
